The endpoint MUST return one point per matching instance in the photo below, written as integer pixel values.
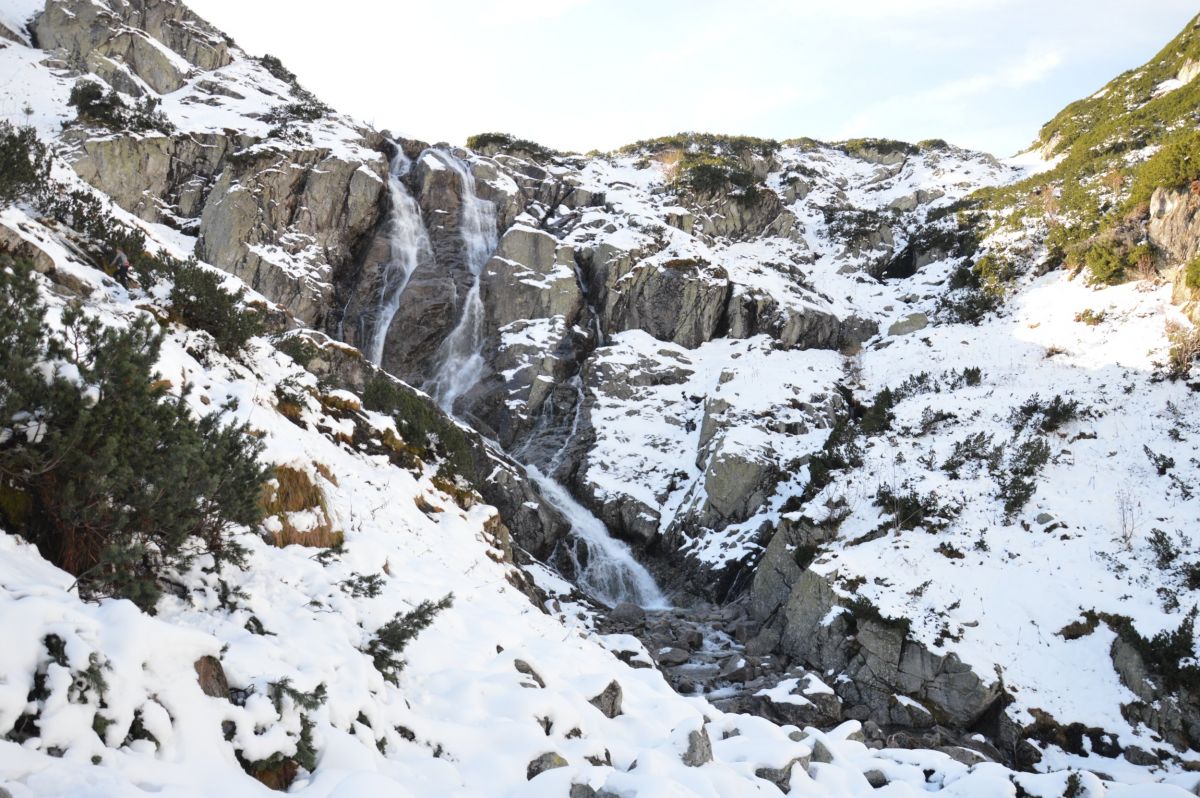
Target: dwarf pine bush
(390, 640)
(115, 481)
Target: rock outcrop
(285, 221)
(1174, 229)
(133, 45)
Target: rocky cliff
(838, 397)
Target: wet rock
(627, 614)
(609, 701)
(547, 761)
(672, 657)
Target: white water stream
(609, 571)
(461, 356)
(408, 245)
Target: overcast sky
(584, 74)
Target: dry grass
(289, 409)
(1185, 348)
(326, 472)
(464, 496)
(669, 161)
(340, 404)
(293, 491)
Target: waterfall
(460, 356)
(408, 245)
(611, 573)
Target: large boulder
(1174, 229)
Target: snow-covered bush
(115, 481)
(200, 301)
(24, 163)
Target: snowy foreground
(502, 697)
(467, 716)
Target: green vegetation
(390, 640)
(276, 68)
(712, 143)
(94, 105)
(864, 147)
(1046, 416)
(910, 510)
(425, 428)
(1170, 654)
(1191, 274)
(1094, 201)
(504, 142)
(199, 301)
(708, 164)
(863, 609)
(115, 481)
(24, 163)
(1016, 478)
(994, 274)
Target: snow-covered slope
(704, 368)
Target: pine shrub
(1191, 274)
(200, 301)
(116, 482)
(24, 164)
(390, 640)
(106, 108)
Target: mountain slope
(782, 372)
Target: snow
(462, 720)
(17, 14)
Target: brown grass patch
(293, 491)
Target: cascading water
(408, 245)
(610, 572)
(461, 357)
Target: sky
(596, 74)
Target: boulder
(699, 748)
(211, 676)
(672, 657)
(547, 761)
(909, 324)
(627, 614)
(609, 700)
(524, 667)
